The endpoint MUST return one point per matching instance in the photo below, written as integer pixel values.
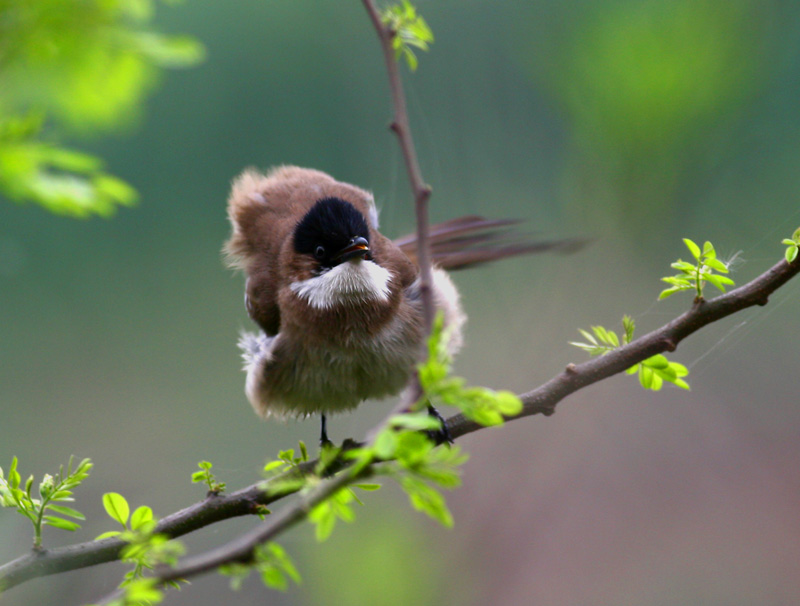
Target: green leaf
(791, 254)
(325, 519)
(117, 507)
(107, 535)
(646, 376)
(717, 265)
(66, 511)
(385, 444)
(368, 487)
(427, 499)
(272, 465)
(14, 478)
(693, 248)
(61, 523)
(486, 417)
(629, 326)
(141, 516)
(283, 561)
(508, 403)
(656, 361)
(272, 577)
(62, 495)
(669, 291)
(719, 281)
(415, 422)
(681, 383)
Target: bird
(338, 305)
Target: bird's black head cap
(329, 227)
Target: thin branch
(543, 399)
(421, 191)
(214, 508)
(241, 549)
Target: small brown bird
(338, 303)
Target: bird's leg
(323, 433)
(441, 436)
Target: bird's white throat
(351, 281)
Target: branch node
(670, 345)
(571, 369)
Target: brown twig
(421, 191)
(214, 508)
(544, 399)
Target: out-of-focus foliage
(410, 30)
(74, 67)
(649, 87)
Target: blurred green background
(632, 122)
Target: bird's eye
(319, 252)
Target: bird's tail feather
(472, 240)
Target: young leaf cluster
(694, 276)
(793, 245)
(652, 372)
(146, 548)
(272, 563)
(481, 404)
(52, 490)
(337, 507)
(141, 592)
(604, 341)
(417, 465)
(205, 475)
(410, 31)
(287, 461)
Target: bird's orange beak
(358, 247)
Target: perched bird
(338, 303)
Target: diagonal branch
(543, 399)
(214, 508)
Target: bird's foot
(441, 435)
